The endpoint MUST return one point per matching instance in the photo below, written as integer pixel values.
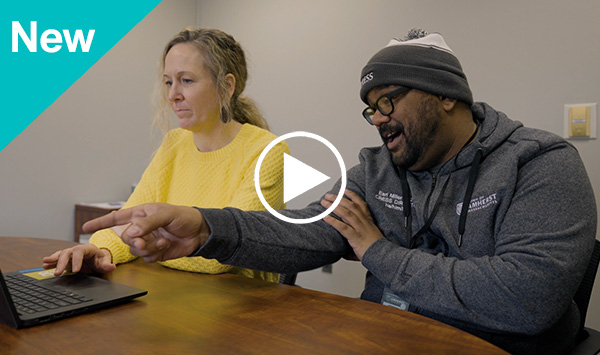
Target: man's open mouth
(391, 136)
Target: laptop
(36, 296)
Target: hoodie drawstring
(468, 194)
(406, 201)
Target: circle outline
(264, 153)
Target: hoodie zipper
(434, 178)
(429, 219)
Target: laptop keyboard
(29, 297)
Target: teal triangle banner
(47, 45)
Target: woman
(209, 161)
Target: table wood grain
(225, 314)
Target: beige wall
(526, 58)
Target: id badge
(390, 299)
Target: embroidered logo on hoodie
(478, 203)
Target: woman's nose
(174, 92)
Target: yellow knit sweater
(180, 174)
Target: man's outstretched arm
(158, 231)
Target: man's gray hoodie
(513, 222)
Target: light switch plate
(580, 121)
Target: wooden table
(226, 314)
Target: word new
(50, 40)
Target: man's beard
(419, 137)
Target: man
(462, 215)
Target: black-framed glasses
(384, 104)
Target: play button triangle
(299, 177)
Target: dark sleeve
(258, 240)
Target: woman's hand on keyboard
(86, 258)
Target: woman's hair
(222, 55)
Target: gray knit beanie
(421, 61)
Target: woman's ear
(230, 83)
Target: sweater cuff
(109, 240)
(224, 237)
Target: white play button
(299, 177)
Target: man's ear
(230, 83)
(448, 103)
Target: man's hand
(157, 231)
(356, 225)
